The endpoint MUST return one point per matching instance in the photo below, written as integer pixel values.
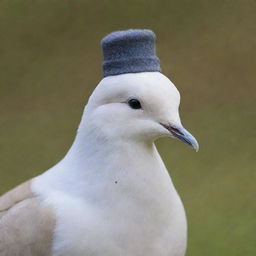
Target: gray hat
(129, 51)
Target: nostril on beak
(172, 129)
(176, 130)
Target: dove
(111, 194)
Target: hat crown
(129, 51)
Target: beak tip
(193, 143)
(195, 146)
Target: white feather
(112, 193)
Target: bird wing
(26, 226)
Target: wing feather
(26, 226)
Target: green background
(50, 62)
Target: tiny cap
(129, 51)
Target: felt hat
(129, 51)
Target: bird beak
(182, 134)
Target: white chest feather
(123, 229)
(133, 210)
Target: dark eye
(134, 103)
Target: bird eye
(134, 103)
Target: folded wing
(26, 226)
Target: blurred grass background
(50, 62)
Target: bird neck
(90, 148)
(95, 166)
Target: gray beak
(182, 134)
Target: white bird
(111, 194)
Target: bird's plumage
(111, 194)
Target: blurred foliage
(51, 61)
